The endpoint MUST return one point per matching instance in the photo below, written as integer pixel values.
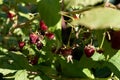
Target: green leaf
(108, 50)
(26, 1)
(78, 3)
(98, 57)
(102, 72)
(114, 64)
(38, 78)
(48, 70)
(100, 18)
(13, 61)
(88, 73)
(72, 70)
(49, 11)
(1, 1)
(18, 31)
(21, 75)
(109, 55)
(6, 71)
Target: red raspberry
(43, 26)
(34, 38)
(50, 35)
(66, 52)
(89, 50)
(10, 15)
(21, 44)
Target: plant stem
(103, 39)
(65, 14)
(76, 11)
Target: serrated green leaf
(21, 75)
(49, 11)
(100, 18)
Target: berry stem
(109, 36)
(64, 14)
(68, 44)
(103, 39)
(21, 25)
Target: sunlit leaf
(79, 3)
(38, 78)
(21, 75)
(1, 1)
(115, 64)
(100, 18)
(88, 73)
(6, 71)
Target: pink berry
(89, 50)
(50, 35)
(33, 38)
(21, 44)
(43, 26)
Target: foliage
(59, 39)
